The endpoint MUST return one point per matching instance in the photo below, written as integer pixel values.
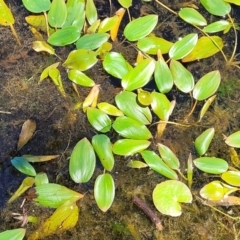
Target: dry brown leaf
(28, 129)
(226, 201)
(31, 158)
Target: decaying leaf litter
(58, 129)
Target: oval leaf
(127, 103)
(163, 76)
(182, 78)
(168, 156)
(23, 166)
(140, 27)
(80, 78)
(233, 140)
(98, 119)
(128, 147)
(157, 164)
(232, 177)
(91, 12)
(130, 128)
(183, 47)
(109, 109)
(192, 16)
(104, 191)
(217, 26)
(216, 7)
(207, 85)
(139, 76)
(37, 6)
(103, 147)
(54, 195)
(151, 45)
(203, 141)
(64, 36)
(81, 59)
(167, 196)
(213, 191)
(211, 165)
(82, 162)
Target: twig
(5, 112)
(149, 212)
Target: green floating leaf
(236, 2)
(163, 76)
(125, 3)
(139, 76)
(110, 109)
(130, 128)
(57, 14)
(211, 165)
(82, 162)
(233, 140)
(41, 178)
(91, 12)
(64, 36)
(203, 141)
(98, 119)
(81, 59)
(54, 195)
(137, 164)
(216, 7)
(37, 6)
(183, 47)
(140, 27)
(80, 78)
(23, 166)
(168, 195)
(183, 79)
(26, 184)
(75, 14)
(103, 147)
(207, 85)
(128, 147)
(161, 106)
(64, 218)
(216, 190)
(107, 24)
(104, 191)
(232, 177)
(127, 103)
(157, 164)
(115, 64)
(192, 16)
(151, 45)
(92, 41)
(144, 97)
(14, 234)
(217, 26)
(168, 156)
(205, 48)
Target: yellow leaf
(31, 158)
(42, 46)
(91, 99)
(26, 184)
(114, 30)
(55, 75)
(64, 218)
(45, 72)
(36, 34)
(205, 48)
(234, 157)
(28, 129)
(6, 17)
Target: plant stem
(46, 21)
(149, 212)
(15, 35)
(193, 108)
(169, 9)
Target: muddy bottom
(59, 128)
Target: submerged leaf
(28, 129)
(23, 166)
